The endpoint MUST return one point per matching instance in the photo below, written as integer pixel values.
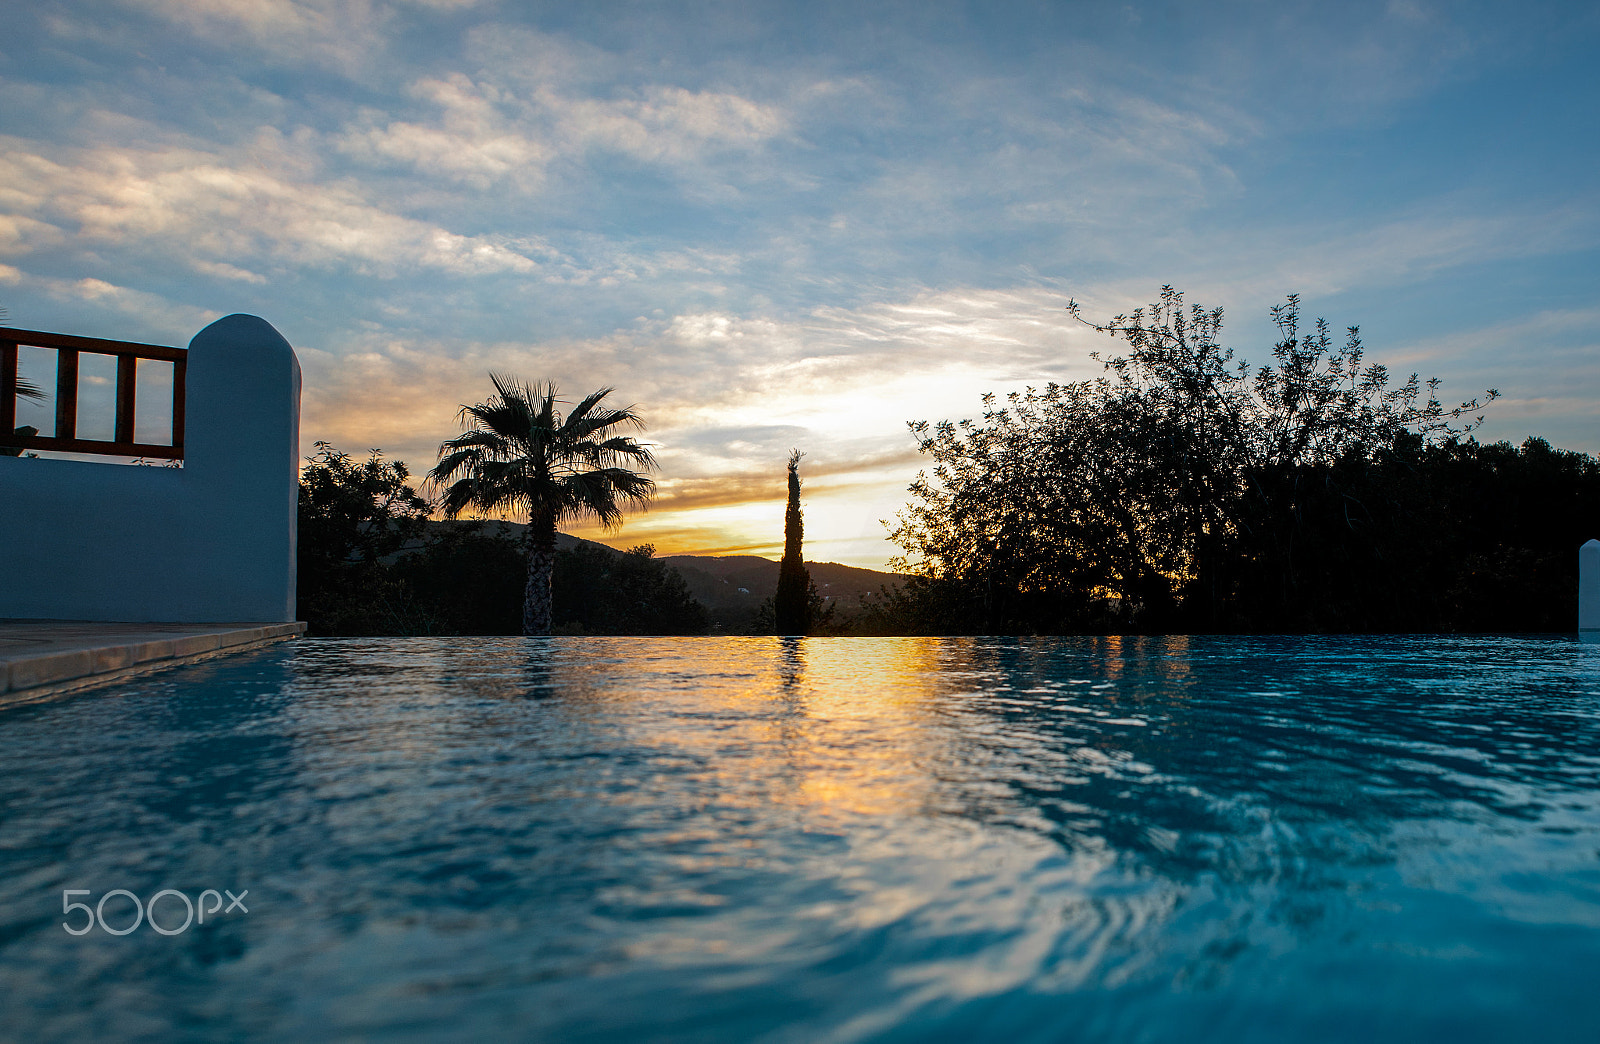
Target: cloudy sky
(776, 225)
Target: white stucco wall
(212, 542)
(1589, 586)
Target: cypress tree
(789, 604)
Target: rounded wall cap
(240, 331)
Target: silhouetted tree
(1509, 520)
(820, 612)
(526, 456)
(351, 517)
(631, 592)
(1182, 490)
(789, 603)
(466, 578)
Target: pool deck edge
(40, 659)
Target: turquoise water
(1211, 839)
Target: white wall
(1589, 586)
(213, 542)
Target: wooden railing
(68, 348)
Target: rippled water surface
(591, 839)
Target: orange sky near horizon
(744, 515)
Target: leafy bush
(1188, 491)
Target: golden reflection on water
(860, 743)
(835, 727)
(832, 728)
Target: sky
(782, 225)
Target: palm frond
(509, 421)
(586, 418)
(615, 452)
(589, 402)
(488, 443)
(521, 453)
(458, 496)
(534, 401)
(602, 493)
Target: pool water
(588, 839)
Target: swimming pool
(1204, 839)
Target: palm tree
(525, 456)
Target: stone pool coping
(44, 658)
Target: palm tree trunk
(537, 602)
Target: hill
(731, 588)
(734, 587)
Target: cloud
(1407, 247)
(713, 385)
(485, 132)
(667, 124)
(121, 307)
(473, 142)
(343, 35)
(829, 475)
(1546, 364)
(222, 270)
(19, 234)
(199, 206)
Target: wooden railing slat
(8, 386)
(110, 449)
(66, 393)
(41, 339)
(127, 378)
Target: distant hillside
(434, 528)
(733, 588)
